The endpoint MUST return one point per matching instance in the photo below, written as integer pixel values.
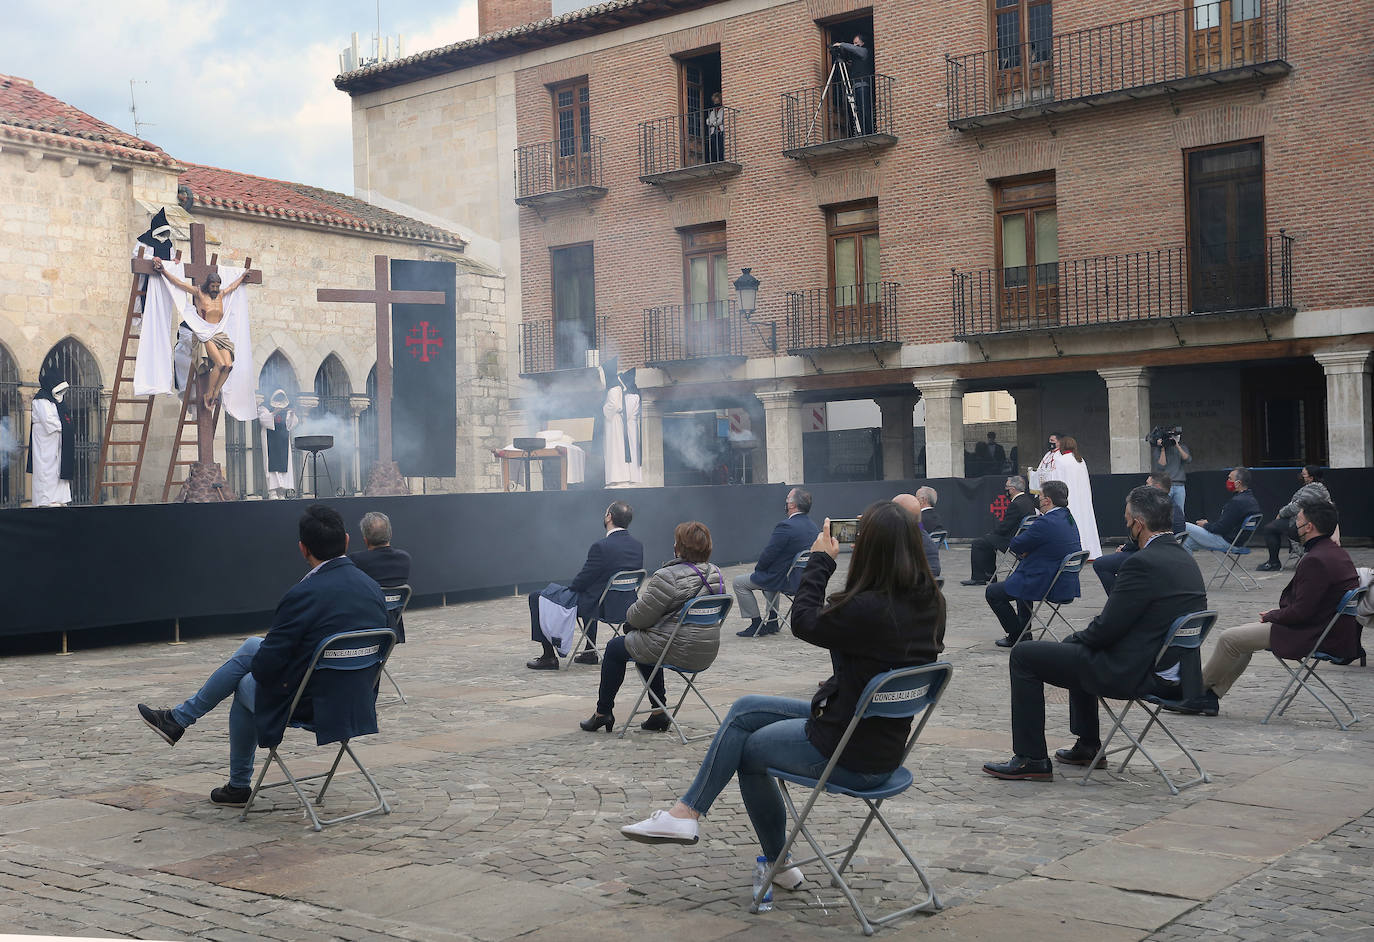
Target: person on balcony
(715, 130)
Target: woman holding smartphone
(890, 614)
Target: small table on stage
(507, 455)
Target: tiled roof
(29, 114)
(592, 20)
(214, 188)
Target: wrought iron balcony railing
(1134, 287)
(688, 146)
(548, 344)
(842, 316)
(817, 121)
(677, 332)
(1207, 43)
(554, 171)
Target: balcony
(685, 147)
(1209, 44)
(675, 333)
(548, 345)
(843, 317)
(817, 122)
(1135, 288)
(554, 172)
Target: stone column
(1349, 408)
(944, 399)
(651, 442)
(899, 454)
(1128, 417)
(357, 405)
(782, 420)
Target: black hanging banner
(424, 398)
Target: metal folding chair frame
(403, 593)
(798, 562)
(1004, 555)
(620, 582)
(940, 537)
(385, 641)
(1229, 564)
(704, 611)
(1072, 563)
(1186, 633)
(1308, 664)
(904, 692)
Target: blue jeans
(757, 733)
(1198, 538)
(233, 677)
(1177, 493)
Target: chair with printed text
(620, 593)
(907, 692)
(396, 598)
(342, 682)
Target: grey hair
(1017, 482)
(376, 527)
(927, 494)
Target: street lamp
(748, 287)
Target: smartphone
(845, 529)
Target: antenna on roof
(133, 109)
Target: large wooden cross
(383, 297)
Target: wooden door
(1225, 34)
(706, 293)
(573, 145)
(1023, 31)
(855, 295)
(1028, 253)
(1226, 238)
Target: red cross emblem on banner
(999, 507)
(421, 338)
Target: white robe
(1074, 473)
(283, 480)
(613, 444)
(48, 486)
(1045, 472)
(632, 405)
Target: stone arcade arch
(70, 360)
(333, 416)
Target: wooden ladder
(184, 422)
(131, 415)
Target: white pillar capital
(776, 397)
(939, 387)
(307, 401)
(1343, 362)
(358, 404)
(1125, 376)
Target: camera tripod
(837, 68)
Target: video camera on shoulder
(1162, 437)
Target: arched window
(244, 444)
(367, 428)
(12, 438)
(333, 417)
(69, 360)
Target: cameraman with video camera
(1168, 455)
(858, 58)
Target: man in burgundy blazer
(1307, 603)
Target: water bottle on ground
(760, 875)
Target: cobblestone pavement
(506, 814)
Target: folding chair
(1308, 664)
(363, 655)
(625, 585)
(897, 694)
(941, 538)
(704, 611)
(1072, 564)
(397, 598)
(798, 564)
(1229, 564)
(1185, 634)
(1005, 557)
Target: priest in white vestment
(50, 489)
(614, 446)
(1070, 468)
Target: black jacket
(868, 635)
(386, 565)
(1233, 514)
(1021, 506)
(1153, 588)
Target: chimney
(496, 15)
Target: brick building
(1145, 215)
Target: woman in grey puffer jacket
(650, 623)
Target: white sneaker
(662, 828)
(789, 879)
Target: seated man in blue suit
(1109, 564)
(793, 535)
(617, 551)
(1041, 547)
(263, 674)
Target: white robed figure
(633, 402)
(50, 489)
(282, 420)
(1070, 468)
(614, 449)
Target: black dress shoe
(973, 582)
(1005, 641)
(752, 631)
(543, 663)
(770, 627)
(1209, 704)
(656, 723)
(587, 657)
(598, 720)
(1080, 754)
(1272, 565)
(1021, 769)
(230, 796)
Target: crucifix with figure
(385, 477)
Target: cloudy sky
(247, 84)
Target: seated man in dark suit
(387, 565)
(1109, 564)
(912, 505)
(927, 498)
(264, 673)
(793, 535)
(983, 553)
(1041, 547)
(1115, 655)
(1324, 574)
(615, 552)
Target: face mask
(1053, 446)
(1230, 485)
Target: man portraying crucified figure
(209, 303)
